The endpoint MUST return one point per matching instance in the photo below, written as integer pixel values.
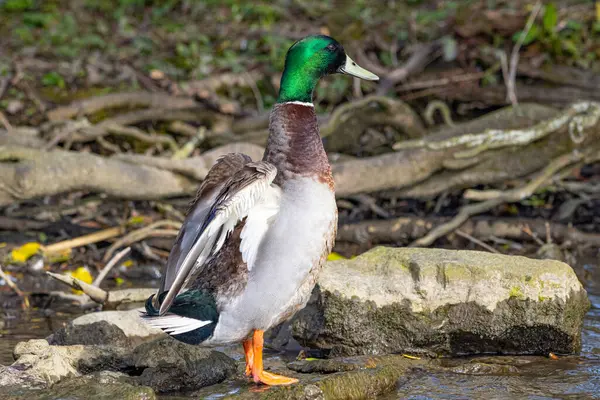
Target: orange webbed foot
(259, 375)
(273, 379)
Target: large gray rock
(164, 364)
(443, 302)
(98, 386)
(128, 321)
(172, 366)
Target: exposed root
(403, 230)
(506, 197)
(119, 100)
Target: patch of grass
(53, 79)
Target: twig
(142, 233)
(94, 237)
(113, 261)
(92, 294)
(260, 106)
(476, 241)
(10, 283)
(506, 197)
(527, 230)
(4, 85)
(141, 135)
(514, 56)
(442, 82)
(422, 56)
(5, 122)
(95, 293)
(183, 129)
(188, 148)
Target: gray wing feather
(223, 169)
(235, 199)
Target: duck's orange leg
(258, 374)
(249, 353)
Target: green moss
(516, 291)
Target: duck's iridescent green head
(311, 58)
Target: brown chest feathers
(294, 145)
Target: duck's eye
(330, 47)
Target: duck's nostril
(354, 63)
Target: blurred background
(482, 134)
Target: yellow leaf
(335, 256)
(83, 274)
(3, 244)
(119, 281)
(411, 357)
(598, 11)
(127, 263)
(23, 253)
(136, 220)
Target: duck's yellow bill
(352, 68)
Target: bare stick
(95, 293)
(514, 56)
(84, 240)
(113, 261)
(476, 241)
(10, 283)
(142, 233)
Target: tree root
(416, 172)
(404, 230)
(506, 197)
(119, 100)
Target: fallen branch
(514, 56)
(415, 172)
(94, 237)
(25, 173)
(108, 299)
(581, 115)
(403, 230)
(509, 196)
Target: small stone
(96, 333)
(14, 106)
(157, 74)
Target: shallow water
(572, 377)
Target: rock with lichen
(444, 302)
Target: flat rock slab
(99, 386)
(164, 364)
(443, 302)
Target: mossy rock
(443, 302)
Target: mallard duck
(258, 232)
